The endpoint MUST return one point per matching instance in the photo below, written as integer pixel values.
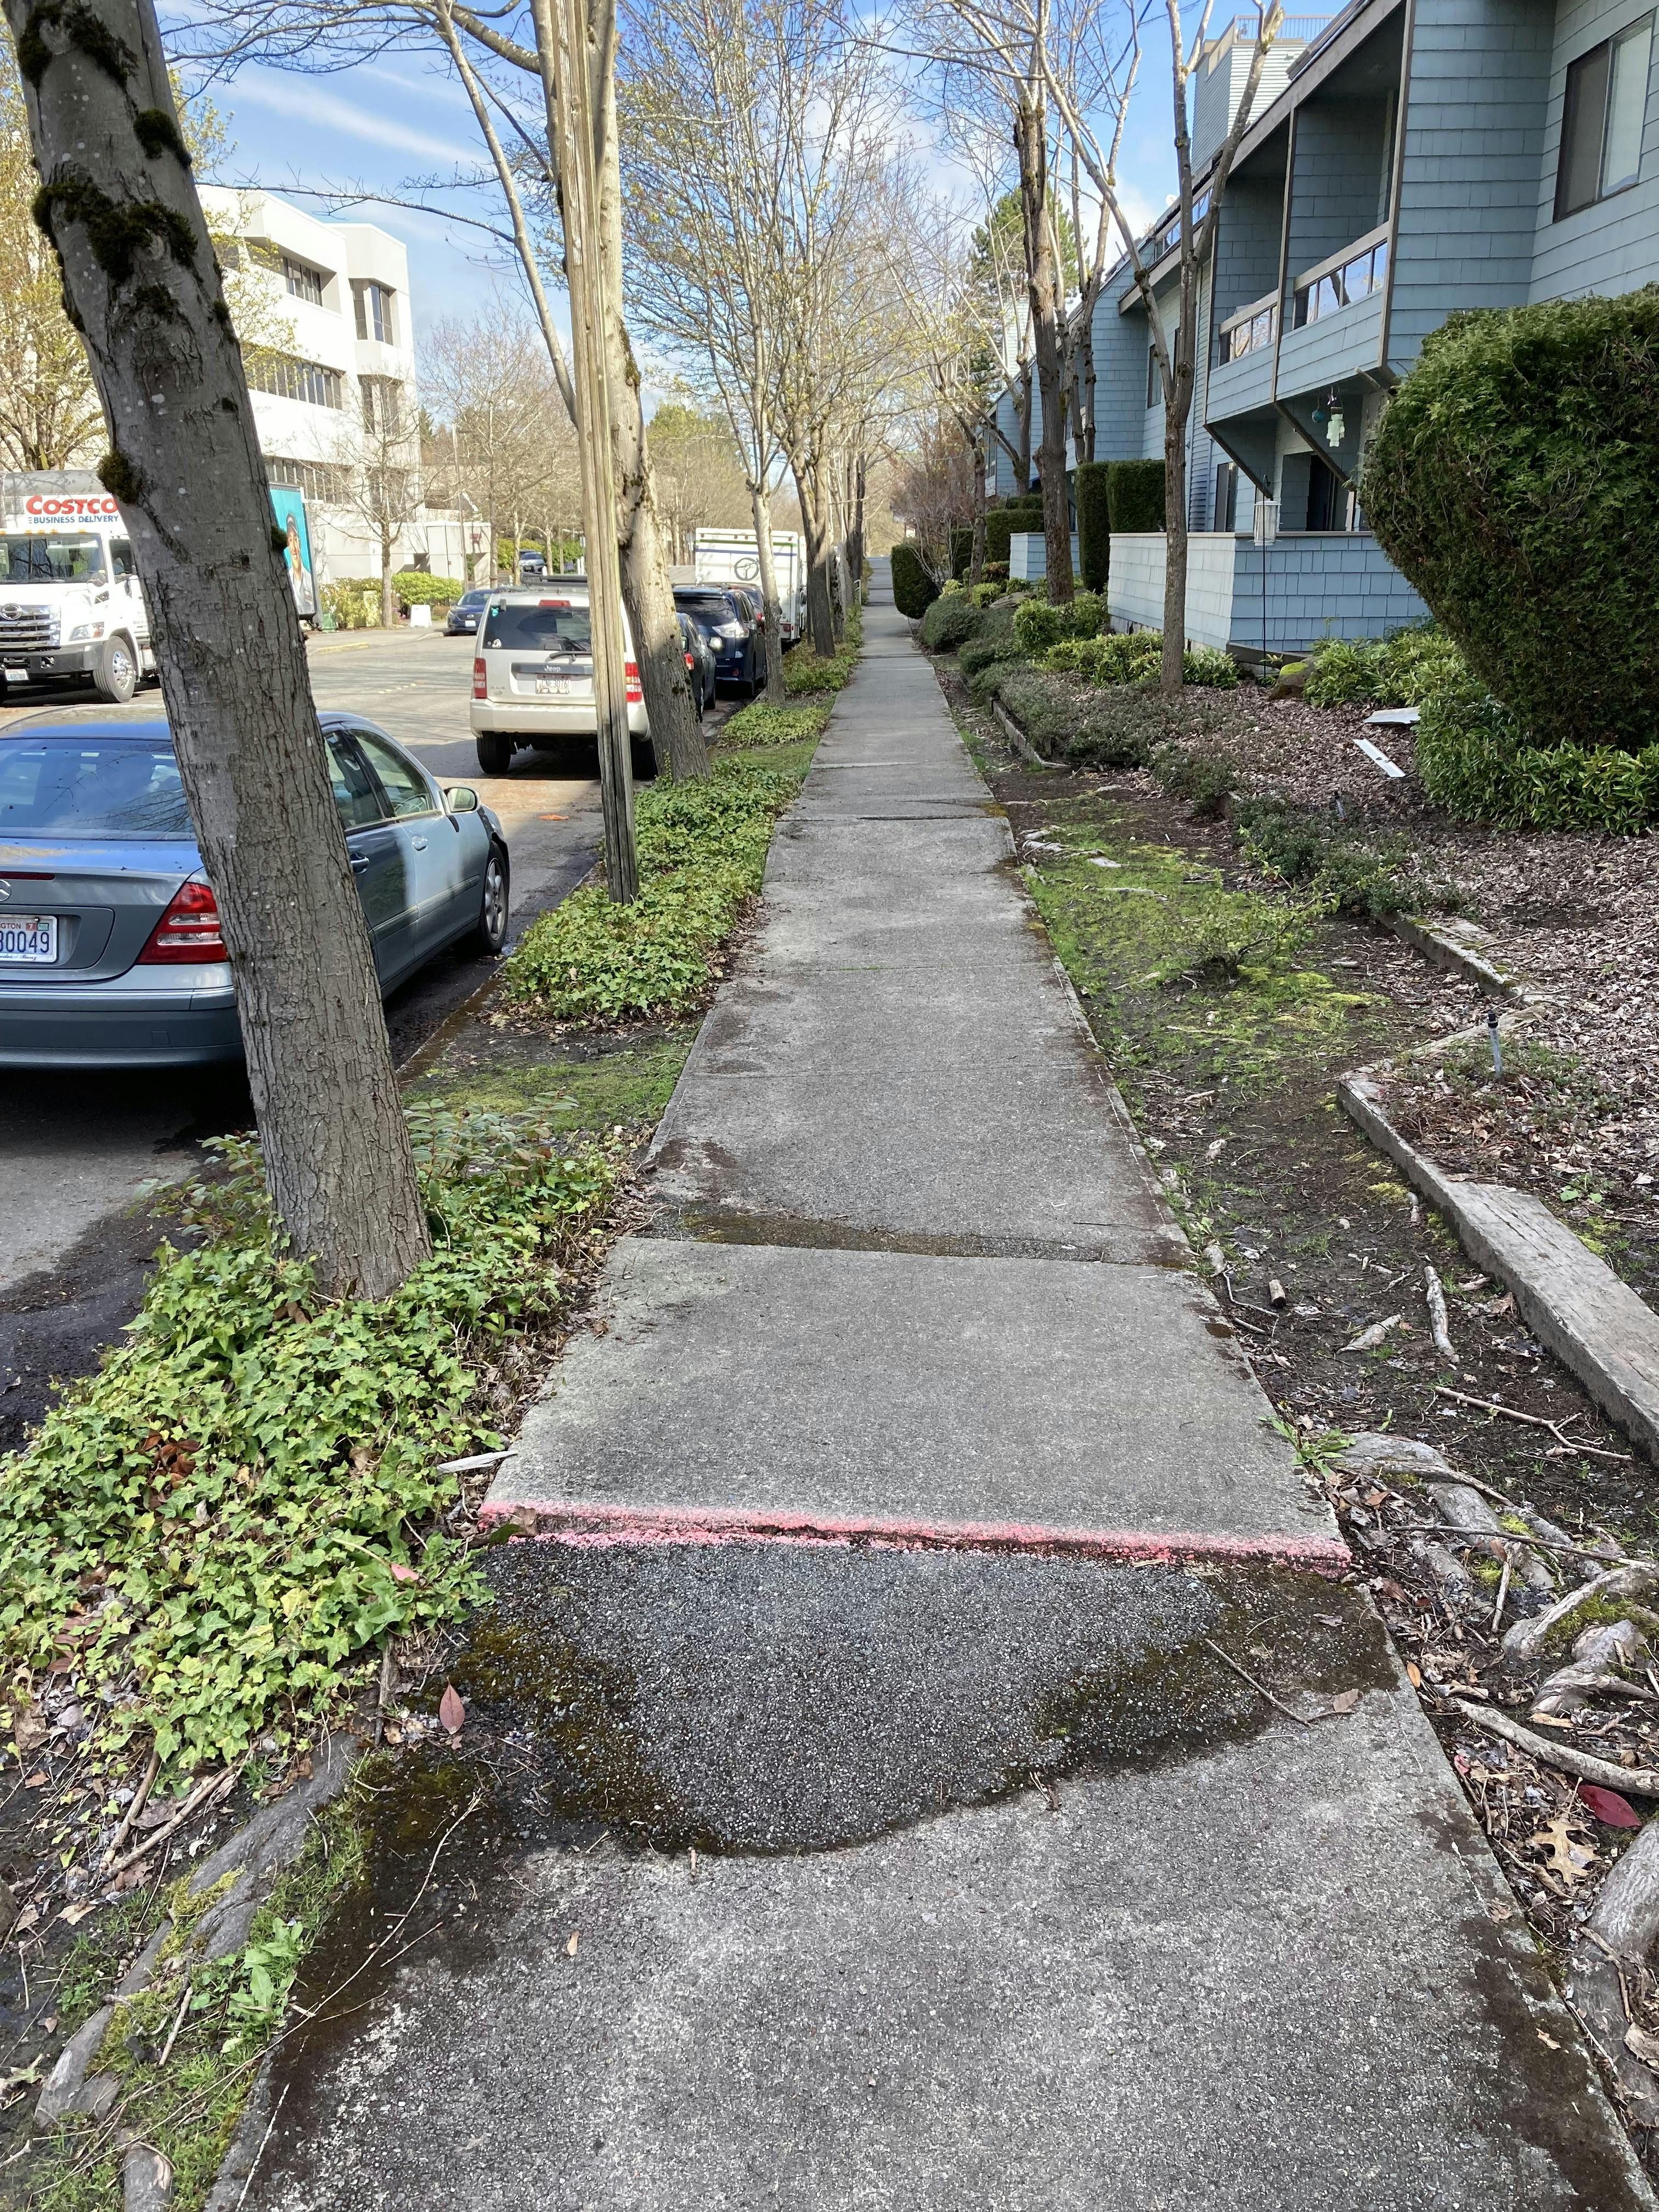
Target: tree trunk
(976, 555)
(775, 693)
(140, 281)
(820, 617)
(677, 735)
(1177, 408)
(388, 596)
(859, 480)
(1023, 419)
(1043, 279)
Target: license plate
(554, 687)
(17, 676)
(32, 937)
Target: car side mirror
(462, 798)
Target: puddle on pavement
(776, 1699)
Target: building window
(304, 284)
(383, 406)
(1365, 272)
(1250, 331)
(1601, 119)
(285, 378)
(324, 483)
(374, 313)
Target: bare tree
(380, 465)
(118, 204)
(487, 382)
(1095, 126)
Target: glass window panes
(1627, 103)
(561, 626)
(354, 792)
(39, 557)
(286, 378)
(93, 786)
(304, 284)
(374, 303)
(406, 788)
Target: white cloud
(303, 101)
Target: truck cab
(71, 607)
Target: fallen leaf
(1344, 1701)
(1571, 1861)
(450, 1711)
(1550, 2040)
(1608, 1807)
(71, 1914)
(1642, 2046)
(1501, 1912)
(570, 1948)
(400, 1573)
(1551, 1720)
(1413, 1675)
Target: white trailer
(71, 606)
(733, 556)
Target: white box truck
(71, 607)
(733, 556)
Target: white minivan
(532, 675)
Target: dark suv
(727, 622)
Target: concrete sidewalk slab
(1282, 1977)
(1094, 1407)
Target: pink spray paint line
(593, 1525)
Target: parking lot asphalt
(76, 1148)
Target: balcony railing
(1250, 328)
(1348, 276)
(1292, 28)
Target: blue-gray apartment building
(1406, 159)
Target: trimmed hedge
(951, 621)
(962, 552)
(1513, 479)
(994, 641)
(1474, 759)
(1134, 495)
(1091, 495)
(914, 589)
(1000, 523)
(417, 588)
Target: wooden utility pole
(584, 266)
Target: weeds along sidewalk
(254, 1519)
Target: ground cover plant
(762, 724)
(1399, 670)
(208, 1532)
(702, 852)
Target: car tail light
(480, 678)
(635, 692)
(690, 661)
(188, 932)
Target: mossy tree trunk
(1044, 282)
(118, 204)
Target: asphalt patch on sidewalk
(772, 1699)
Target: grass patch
(702, 852)
(214, 1527)
(762, 724)
(188, 2110)
(1177, 967)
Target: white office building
(340, 393)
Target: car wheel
(489, 934)
(115, 673)
(644, 760)
(495, 752)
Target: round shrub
(415, 588)
(951, 621)
(1038, 624)
(1513, 479)
(914, 589)
(1474, 759)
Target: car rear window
(65, 784)
(704, 602)
(539, 626)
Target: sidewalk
(899, 1496)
